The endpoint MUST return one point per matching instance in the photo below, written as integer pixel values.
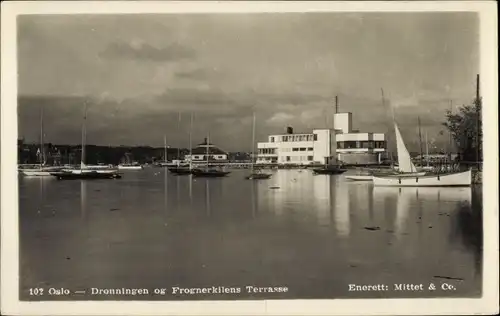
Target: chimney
(477, 88)
(206, 141)
(289, 130)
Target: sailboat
(130, 165)
(209, 173)
(330, 168)
(409, 176)
(255, 175)
(42, 170)
(183, 170)
(406, 168)
(85, 172)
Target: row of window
(201, 157)
(267, 151)
(294, 138)
(286, 150)
(296, 158)
(370, 144)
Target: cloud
(280, 118)
(197, 74)
(136, 50)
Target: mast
(179, 147)
(42, 147)
(165, 148)
(450, 136)
(420, 142)
(387, 142)
(478, 100)
(191, 143)
(208, 142)
(427, 148)
(253, 142)
(84, 134)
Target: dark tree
(466, 130)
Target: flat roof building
(322, 146)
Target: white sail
(404, 159)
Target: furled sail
(404, 159)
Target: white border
(10, 304)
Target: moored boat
(39, 172)
(181, 170)
(86, 174)
(209, 173)
(329, 170)
(130, 167)
(355, 177)
(184, 169)
(256, 174)
(435, 180)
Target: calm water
(314, 235)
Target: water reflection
(257, 230)
(342, 209)
(469, 228)
(83, 199)
(418, 198)
(165, 194)
(207, 197)
(253, 197)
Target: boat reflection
(207, 197)
(408, 198)
(342, 209)
(165, 194)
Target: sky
(138, 74)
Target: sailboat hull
(35, 173)
(39, 172)
(124, 167)
(258, 176)
(181, 171)
(443, 180)
(359, 177)
(210, 173)
(86, 175)
(329, 171)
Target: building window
(302, 149)
(272, 139)
(347, 145)
(380, 144)
(295, 149)
(365, 144)
(310, 158)
(315, 137)
(287, 158)
(310, 149)
(340, 145)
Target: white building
(199, 153)
(304, 148)
(343, 144)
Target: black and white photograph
(261, 156)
